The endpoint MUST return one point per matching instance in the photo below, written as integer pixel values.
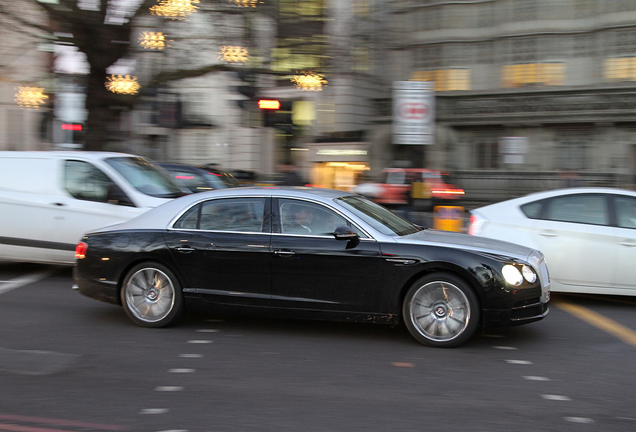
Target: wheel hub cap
(441, 311)
(153, 294)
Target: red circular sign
(413, 111)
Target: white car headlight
(512, 275)
(529, 274)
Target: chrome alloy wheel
(149, 295)
(440, 311)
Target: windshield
(145, 176)
(227, 179)
(378, 217)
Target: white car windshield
(145, 176)
(378, 217)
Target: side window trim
(265, 219)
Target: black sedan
(310, 253)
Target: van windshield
(145, 176)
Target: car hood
(467, 242)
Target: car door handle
(548, 233)
(284, 253)
(628, 243)
(185, 249)
(58, 204)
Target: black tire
(441, 310)
(151, 295)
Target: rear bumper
(105, 291)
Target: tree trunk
(99, 115)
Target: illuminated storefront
(337, 165)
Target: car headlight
(512, 275)
(529, 274)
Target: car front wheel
(441, 310)
(151, 295)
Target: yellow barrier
(448, 218)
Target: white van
(49, 199)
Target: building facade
(537, 90)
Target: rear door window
(584, 209)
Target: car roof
(95, 155)
(536, 196)
(161, 216)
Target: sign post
(413, 112)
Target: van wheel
(152, 296)
(441, 310)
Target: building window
(487, 154)
(620, 69)
(519, 75)
(572, 155)
(445, 79)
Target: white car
(588, 235)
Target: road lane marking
(207, 331)
(169, 388)
(536, 378)
(199, 341)
(506, 348)
(25, 280)
(599, 321)
(520, 362)
(556, 397)
(191, 355)
(154, 411)
(182, 370)
(578, 419)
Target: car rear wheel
(151, 295)
(441, 310)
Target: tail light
(80, 250)
(477, 224)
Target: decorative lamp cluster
(122, 84)
(175, 9)
(245, 3)
(309, 81)
(233, 54)
(152, 40)
(30, 97)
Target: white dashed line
(556, 397)
(207, 331)
(578, 419)
(199, 341)
(25, 280)
(191, 355)
(169, 388)
(154, 411)
(519, 362)
(536, 378)
(506, 348)
(182, 370)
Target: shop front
(337, 165)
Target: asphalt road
(69, 363)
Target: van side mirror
(117, 196)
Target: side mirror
(345, 233)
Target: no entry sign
(413, 112)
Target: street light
(309, 81)
(30, 97)
(122, 84)
(175, 9)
